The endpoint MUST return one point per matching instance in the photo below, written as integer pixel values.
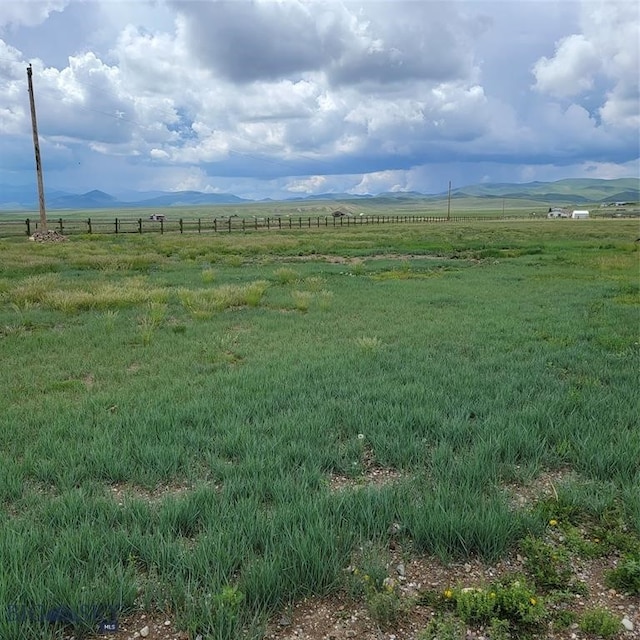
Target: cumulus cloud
(381, 181)
(572, 69)
(312, 184)
(606, 52)
(32, 13)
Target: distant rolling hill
(561, 192)
(91, 200)
(22, 198)
(573, 190)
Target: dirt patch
(338, 617)
(373, 475)
(543, 487)
(122, 491)
(334, 259)
(155, 626)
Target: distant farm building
(557, 212)
(580, 214)
(158, 217)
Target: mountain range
(561, 192)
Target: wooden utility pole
(36, 146)
(449, 203)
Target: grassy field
(176, 409)
(252, 215)
(275, 216)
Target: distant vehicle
(158, 217)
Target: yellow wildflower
(553, 522)
(448, 593)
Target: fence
(216, 225)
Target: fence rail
(221, 225)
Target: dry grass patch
(50, 291)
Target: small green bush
(549, 566)
(626, 576)
(600, 622)
(514, 601)
(444, 628)
(385, 607)
(381, 593)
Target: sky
(286, 98)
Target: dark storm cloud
(389, 43)
(248, 41)
(408, 41)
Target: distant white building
(580, 214)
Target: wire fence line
(227, 224)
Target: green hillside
(574, 190)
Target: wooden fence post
(89, 225)
(116, 225)
(215, 224)
(199, 225)
(139, 225)
(60, 225)
(28, 223)
(229, 222)
(180, 225)
(161, 226)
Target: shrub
(444, 628)
(549, 566)
(514, 602)
(381, 593)
(626, 576)
(600, 622)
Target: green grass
(221, 381)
